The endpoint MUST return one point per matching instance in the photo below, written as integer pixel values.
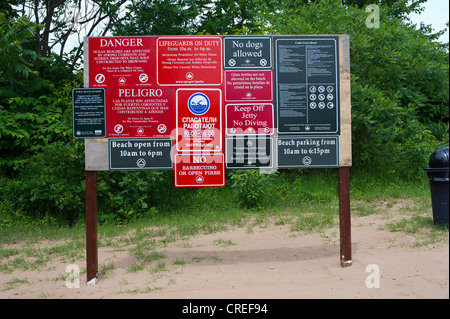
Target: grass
(426, 233)
(224, 242)
(14, 283)
(305, 200)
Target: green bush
(251, 188)
(50, 183)
(124, 195)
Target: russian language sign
(199, 120)
(199, 133)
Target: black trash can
(438, 177)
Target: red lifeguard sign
(189, 61)
(198, 120)
(199, 160)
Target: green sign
(140, 154)
(307, 84)
(311, 151)
(88, 109)
(249, 152)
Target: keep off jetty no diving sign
(203, 104)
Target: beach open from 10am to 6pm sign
(139, 154)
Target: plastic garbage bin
(438, 177)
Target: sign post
(344, 217)
(91, 227)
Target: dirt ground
(267, 262)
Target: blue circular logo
(198, 104)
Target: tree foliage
(64, 19)
(14, 58)
(171, 17)
(35, 109)
(399, 82)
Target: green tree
(61, 19)
(34, 110)
(161, 17)
(172, 17)
(14, 57)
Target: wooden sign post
(201, 104)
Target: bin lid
(440, 158)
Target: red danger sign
(197, 170)
(199, 120)
(187, 61)
(139, 112)
(122, 61)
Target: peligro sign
(140, 92)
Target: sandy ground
(268, 262)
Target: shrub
(50, 183)
(251, 188)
